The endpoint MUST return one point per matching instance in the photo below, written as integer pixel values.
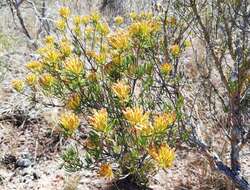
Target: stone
(23, 163)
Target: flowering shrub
(124, 79)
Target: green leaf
(72, 161)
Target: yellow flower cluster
(159, 125)
(106, 171)
(73, 102)
(18, 85)
(99, 58)
(164, 155)
(61, 24)
(34, 66)
(99, 120)
(69, 121)
(121, 90)
(46, 80)
(119, 20)
(119, 40)
(95, 16)
(74, 65)
(133, 15)
(136, 117)
(103, 28)
(116, 59)
(161, 122)
(31, 79)
(144, 28)
(51, 55)
(175, 50)
(64, 12)
(85, 20)
(166, 68)
(49, 40)
(77, 20)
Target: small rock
(23, 163)
(35, 176)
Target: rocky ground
(31, 160)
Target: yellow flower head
(18, 85)
(116, 59)
(46, 80)
(31, 79)
(106, 171)
(170, 117)
(61, 24)
(137, 28)
(65, 47)
(175, 50)
(99, 120)
(52, 56)
(164, 155)
(85, 20)
(143, 28)
(74, 65)
(121, 90)
(133, 15)
(100, 58)
(64, 12)
(69, 121)
(119, 20)
(136, 117)
(95, 16)
(147, 130)
(34, 66)
(77, 20)
(49, 40)
(120, 40)
(73, 102)
(160, 123)
(103, 28)
(166, 68)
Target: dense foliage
(124, 78)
